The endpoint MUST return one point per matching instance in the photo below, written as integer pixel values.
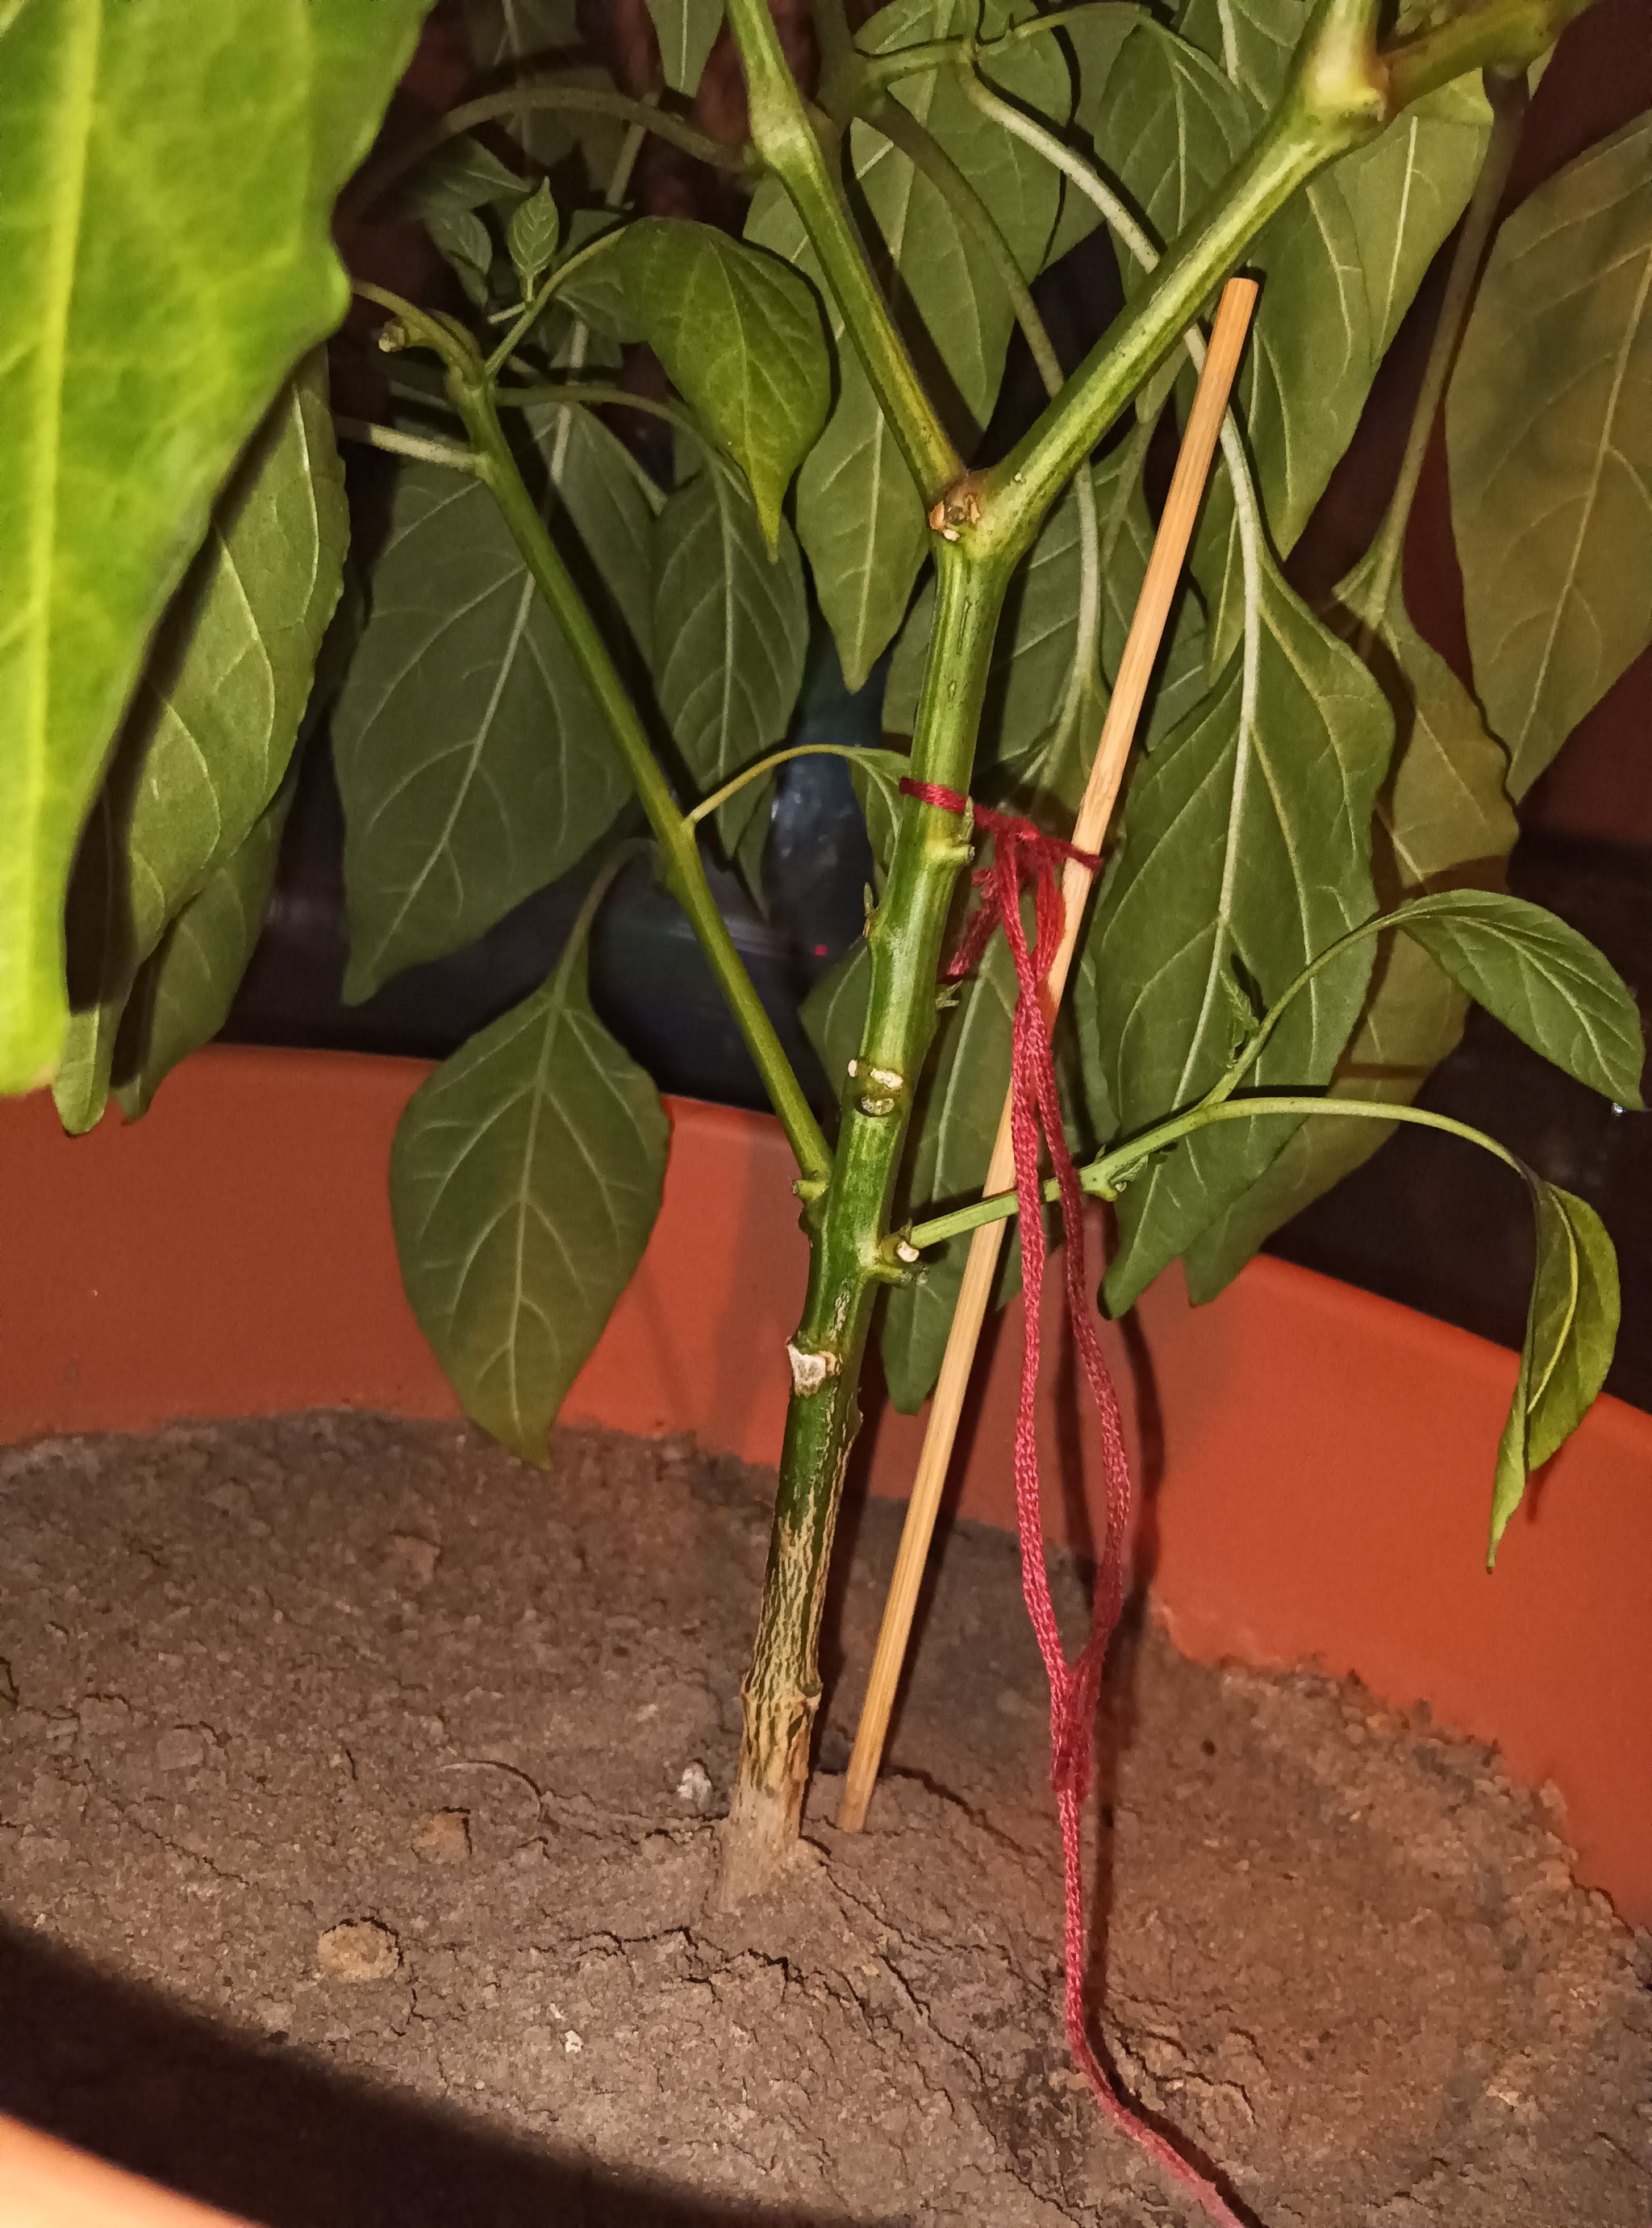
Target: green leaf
(513, 39)
(596, 292)
(1404, 192)
(465, 246)
(165, 258)
(182, 996)
(732, 630)
(1540, 979)
(686, 30)
(859, 517)
(1251, 41)
(1246, 837)
(1094, 39)
(1570, 1330)
(1169, 128)
(532, 237)
(1444, 817)
(741, 336)
(463, 174)
(212, 724)
(1549, 437)
(524, 1181)
(472, 762)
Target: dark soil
(357, 1822)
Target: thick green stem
(784, 133)
(904, 936)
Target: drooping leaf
(185, 990)
(524, 1181)
(534, 232)
(1246, 838)
(732, 631)
(1570, 1330)
(1444, 819)
(1549, 436)
(859, 517)
(472, 762)
(165, 258)
(741, 336)
(1540, 979)
(686, 31)
(212, 724)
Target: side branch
(785, 138)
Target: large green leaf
(1570, 1330)
(182, 996)
(472, 761)
(741, 335)
(1540, 978)
(212, 724)
(1443, 818)
(1549, 435)
(732, 630)
(1247, 840)
(686, 31)
(1169, 128)
(859, 517)
(524, 1181)
(1404, 192)
(1252, 40)
(165, 258)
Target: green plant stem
(1509, 100)
(785, 137)
(472, 396)
(1100, 1177)
(541, 95)
(926, 154)
(531, 312)
(927, 54)
(782, 1689)
(708, 805)
(1333, 103)
(1500, 35)
(397, 443)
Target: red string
(1024, 857)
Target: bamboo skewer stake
(1118, 731)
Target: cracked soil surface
(358, 1799)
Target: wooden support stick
(1118, 731)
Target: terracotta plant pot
(1314, 1463)
(46, 2185)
